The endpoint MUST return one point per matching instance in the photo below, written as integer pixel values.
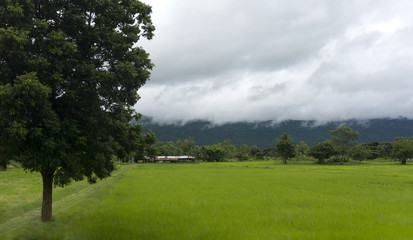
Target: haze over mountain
(265, 134)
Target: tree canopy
(69, 75)
(360, 152)
(322, 151)
(402, 149)
(343, 139)
(285, 148)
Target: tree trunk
(3, 168)
(404, 161)
(47, 196)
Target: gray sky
(245, 60)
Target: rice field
(241, 200)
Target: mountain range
(265, 134)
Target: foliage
(256, 153)
(214, 153)
(322, 151)
(217, 152)
(302, 148)
(402, 149)
(167, 149)
(372, 148)
(229, 149)
(285, 148)
(269, 152)
(148, 147)
(244, 152)
(228, 152)
(384, 150)
(360, 153)
(343, 139)
(69, 75)
(186, 147)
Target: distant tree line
(342, 147)
(224, 151)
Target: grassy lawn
(247, 200)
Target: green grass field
(244, 200)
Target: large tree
(69, 75)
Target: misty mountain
(265, 134)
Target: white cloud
(245, 60)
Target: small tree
(150, 145)
(359, 153)
(269, 153)
(186, 146)
(343, 139)
(168, 149)
(302, 148)
(214, 153)
(284, 147)
(229, 148)
(243, 152)
(256, 152)
(322, 151)
(402, 149)
(200, 153)
(384, 150)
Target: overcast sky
(245, 60)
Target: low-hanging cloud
(321, 60)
